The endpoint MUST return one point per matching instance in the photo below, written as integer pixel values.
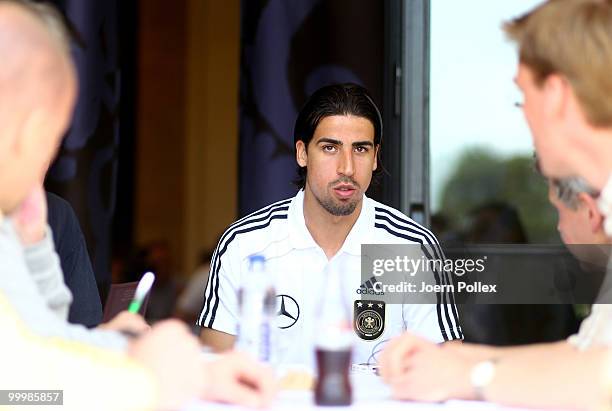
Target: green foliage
(481, 177)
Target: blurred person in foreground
(564, 374)
(37, 94)
(565, 61)
(35, 108)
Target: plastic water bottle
(257, 302)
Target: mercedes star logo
(288, 312)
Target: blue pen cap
(257, 259)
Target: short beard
(337, 210)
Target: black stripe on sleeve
(443, 300)
(265, 216)
(436, 277)
(437, 251)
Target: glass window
(481, 162)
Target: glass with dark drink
(333, 347)
(333, 385)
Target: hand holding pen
(129, 322)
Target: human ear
(28, 132)
(595, 217)
(301, 156)
(557, 91)
(376, 150)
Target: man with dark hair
(338, 134)
(329, 101)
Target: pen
(144, 285)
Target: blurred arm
(482, 352)
(32, 362)
(561, 377)
(217, 340)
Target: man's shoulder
(263, 217)
(264, 225)
(62, 219)
(394, 225)
(58, 208)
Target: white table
(369, 394)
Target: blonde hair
(572, 38)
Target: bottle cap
(257, 258)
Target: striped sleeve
(398, 225)
(220, 305)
